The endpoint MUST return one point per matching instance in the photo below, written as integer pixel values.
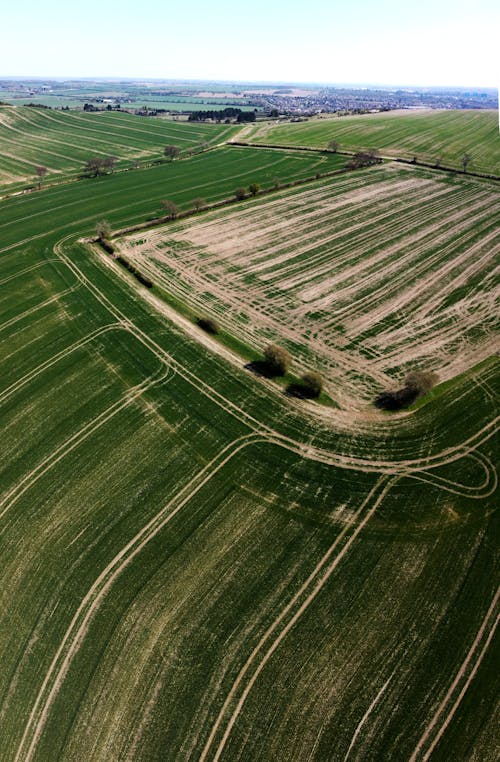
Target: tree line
(225, 113)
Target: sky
(391, 42)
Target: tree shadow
(300, 392)
(261, 368)
(396, 400)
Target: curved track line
(53, 360)
(79, 624)
(464, 490)
(28, 269)
(315, 453)
(73, 441)
(491, 614)
(366, 715)
(40, 306)
(384, 485)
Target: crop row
(189, 562)
(430, 136)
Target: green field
(63, 141)
(194, 565)
(428, 135)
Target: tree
(171, 152)
(171, 209)
(364, 159)
(203, 146)
(103, 230)
(240, 193)
(438, 161)
(108, 163)
(417, 384)
(198, 202)
(466, 158)
(333, 146)
(254, 188)
(99, 165)
(41, 172)
(312, 384)
(421, 381)
(277, 360)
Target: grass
(164, 578)
(427, 135)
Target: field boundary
(399, 159)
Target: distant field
(195, 566)
(363, 277)
(64, 141)
(424, 134)
(170, 104)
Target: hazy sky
(427, 42)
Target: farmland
(428, 135)
(319, 280)
(63, 142)
(195, 566)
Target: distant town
(180, 99)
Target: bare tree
(466, 159)
(171, 152)
(41, 172)
(103, 230)
(240, 193)
(198, 202)
(99, 165)
(333, 146)
(171, 209)
(108, 163)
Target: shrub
(107, 245)
(208, 324)
(277, 360)
(240, 193)
(135, 272)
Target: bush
(312, 384)
(107, 245)
(208, 324)
(277, 360)
(135, 272)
